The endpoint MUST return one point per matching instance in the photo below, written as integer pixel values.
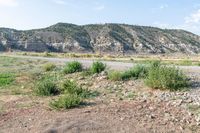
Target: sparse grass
(73, 96)
(135, 72)
(86, 73)
(66, 102)
(164, 77)
(49, 67)
(6, 79)
(71, 87)
(186, 63)
(115, 75)
(98, 67)
(46, 87)
(73, 67)
(139, 71)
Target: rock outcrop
(108, 38)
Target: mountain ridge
(106, 38)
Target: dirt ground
(121, 107)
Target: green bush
(67, 101)
(6, 79)
(46, 87)
(115, 75)
(49, 67)
(163, 77)
(98, 67)
(138, 71)
(73, 67)
(71, 87)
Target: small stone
(87, 111)
(144, 101)
(181, 128)
(122, 118)
(152, 116)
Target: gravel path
(87, 62)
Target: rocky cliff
(108, 38)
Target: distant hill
(107, 38)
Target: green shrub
(46, 87)
(115, 75)
(71, 87)
(98, 67)
(73, 67)
(49, 67)
(163, 77)
(6, 79)
(67, 101)
(138, 71)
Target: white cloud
(193, 18)
(11, 3)
(60, 2)
(163, 6)
(99, 8)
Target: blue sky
(30, 14)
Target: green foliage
(49, 67)
(163, 77)
(46, 87)
(186, 63)
(67, 101)
(139, 71)
(115, 75)
(135, 72)
(73, 67)
(73, 96)
(6, 79)
(98, 67)
(71, 87)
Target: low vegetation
(46, 87)
(165, 77)
(66, 101)
(115, 75)
(43, 80)
(135, 72)
(139, 71)
(6, 79)
(71, 87)
(49, 67)
(73, 67)
(73, 95)
(97, 67)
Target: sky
(31, 14)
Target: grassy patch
(139, 71)
(49, 67)
(98, 67)
(164, 77)
(46, 87)
(115, 75)
(73, 67)
(71, 87)
(6, 79)
(66, 102)
(135, 72)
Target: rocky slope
(108, 38)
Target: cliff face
(109, 38)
